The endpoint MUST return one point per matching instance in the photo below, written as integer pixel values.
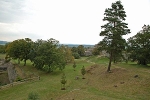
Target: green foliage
(78, 52)
(113, 31)
(74, 65)
(2, 48)
(19, 49)
(81, 50)
(96, 50)
(48, 56)
(75, 52)
(74, 49)
(76, 55)
(33, 96)
(63, 81)
(13, 50)
(83, 71)
(45, 55)
(18, 78)
(139, 46)
(69, 58)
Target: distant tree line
(78, 51)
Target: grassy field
(98, 85)
(2, 56)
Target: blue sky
(69, 21)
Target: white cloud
(137, 14)
(71, 21)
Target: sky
(68, 21)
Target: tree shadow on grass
(56, 72)
(140, 66)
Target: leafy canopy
(139, 46)
(19, 49)
(48, 56)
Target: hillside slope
(121, 84)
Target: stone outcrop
(11, 72)
(10, 69)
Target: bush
(83, 71)
(63, 81)
(18, 78)
(33, 96)
(76, 55)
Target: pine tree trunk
(143, 62)
(110, 59)
(48, 68)
(114, 60)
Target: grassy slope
(98, 84)
(2, 56)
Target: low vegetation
(121, 83)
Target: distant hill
(76, 45)
(69, 45)
(3, 42)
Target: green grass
(98, 60)
(98, 85)
(2, 56)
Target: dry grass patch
(120, 82)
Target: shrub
(18, 78)
(76, 55)
(33, 96)
(83, 71)
(74, 65)
(63, 81)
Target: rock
(110, 71)
(136, 76)
(121, 82)
(77, 77)
(11, 72)
(63, 88)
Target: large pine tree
(113, 31)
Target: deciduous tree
(81, 50)
(48, 56)
(19, 49)
(69, 58)
(139, 46)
